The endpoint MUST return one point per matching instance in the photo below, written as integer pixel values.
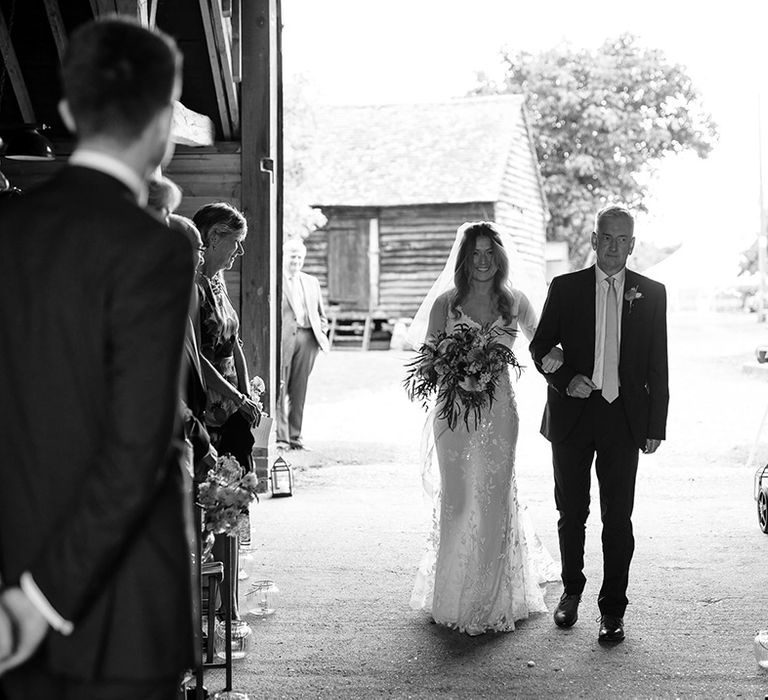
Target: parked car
(761, 496)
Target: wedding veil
(524, 276)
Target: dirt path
(343, 551)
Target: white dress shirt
(298, 301)
(601, 293)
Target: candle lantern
(282, 478)
(261, 599)
(241, 639)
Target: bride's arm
(437, 316)
(527, 320)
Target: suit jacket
(315, 310)
(568, 319)
(93, 310)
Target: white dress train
(484, 564)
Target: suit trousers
(32, 681)
(294, 378)
(602, 431)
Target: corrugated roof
(421, 153)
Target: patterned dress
(483, 565)
(219, 332)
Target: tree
(601, 121)
(299, 217)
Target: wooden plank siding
(521, 208)
(414, 243)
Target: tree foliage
(601, 121)
(299, 218)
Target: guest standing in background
(193, 387)
(304, 334)
(163, 197)
(230, 411)
(94, 551)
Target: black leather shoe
(300, 446)
(611, 629)
(567, 610)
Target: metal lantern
(282, 478)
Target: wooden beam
(213, 57)
(260, 302)
(237, 59)
(103, 7)
(153, 13)
(225, 61)
(14, 72)
(138, 9)
(56, 23)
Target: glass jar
(261, 598)
(241, 639)
(230, 695)
(761, 649)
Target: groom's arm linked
(548, 335)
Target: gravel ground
(344, 549)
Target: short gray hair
(294, 243)
(617, 212)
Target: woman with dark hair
(230, 413)
(484, 564)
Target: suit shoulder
(576, 277)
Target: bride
(484, 565)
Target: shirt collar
(600, 276)
(109, 165)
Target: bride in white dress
(484, 565)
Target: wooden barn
(395, 181)
(226, 127)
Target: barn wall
(414, 243)
(521, 206)
(210, 174)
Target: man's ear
(594, 240)
(631, 245)
(66, 116)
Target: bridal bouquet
(225, 494)
(462, 368)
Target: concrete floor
(344, 549)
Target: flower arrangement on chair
(225, 495)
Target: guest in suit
(94, 546)
(609, 400)
(304, 334)
(193, 388)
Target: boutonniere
(632, 295)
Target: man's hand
(580, 387)
(651, 446)
(31, 627)
(552, 361)
(251, 412)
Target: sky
(383, 51)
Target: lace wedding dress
(484, 564)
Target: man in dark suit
(609, 399)
(304, 335)
(94, 546)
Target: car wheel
(762, 511)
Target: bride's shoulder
(444, 300)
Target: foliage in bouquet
(462, 368)
(225, 495)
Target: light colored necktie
(611, 349)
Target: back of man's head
(117, 76)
